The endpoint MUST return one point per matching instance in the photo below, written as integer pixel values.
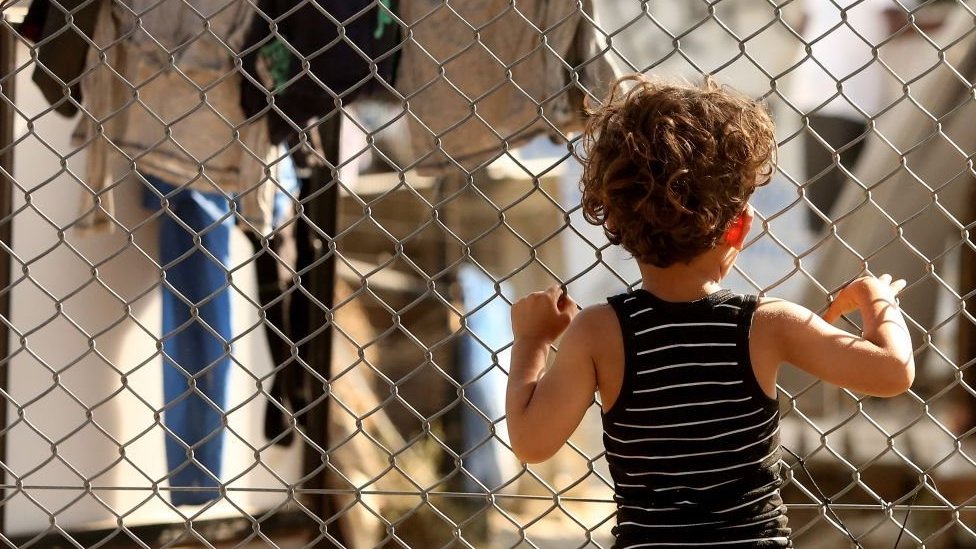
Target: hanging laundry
(526, 75)
(276, 298)
(295, 98)
(214, 158)
(168, 54)
(106, 95)
(195, 345)
(281, 298)
(32, 27)
(61, 55)
(160, 49)
(161, 137)
(295, 313)
(209, 166)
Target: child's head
(668, 168)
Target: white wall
(91, 339)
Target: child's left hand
(543, 316)
(860, 294)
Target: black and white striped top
(693, 441)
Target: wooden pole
(8, 47)
(967, 330)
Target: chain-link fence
(258, 257)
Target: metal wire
(456, 191)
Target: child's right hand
(542, 316)
(861, 293)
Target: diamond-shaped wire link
(456, 192)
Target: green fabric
(383, 19)
(278, 58)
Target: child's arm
(879, 363)
(543, 410)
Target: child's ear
(737, 233)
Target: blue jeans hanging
(196, 347)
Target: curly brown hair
(667, 168)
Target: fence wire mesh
(263, 254)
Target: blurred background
(258, 259)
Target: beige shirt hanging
(482, 76)
(167, 96)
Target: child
(686, 371)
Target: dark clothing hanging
(297, 99)
(62, 51)
(294, 98)
(32, 27)
(291, 312)
(286, 311)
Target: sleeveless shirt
(692, 441)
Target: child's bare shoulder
(600, 311)
(593, 332)
(775, 310)
(775, 325)
(596, 333)
(780, 323)
(596, 321)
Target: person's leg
(196, 337)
